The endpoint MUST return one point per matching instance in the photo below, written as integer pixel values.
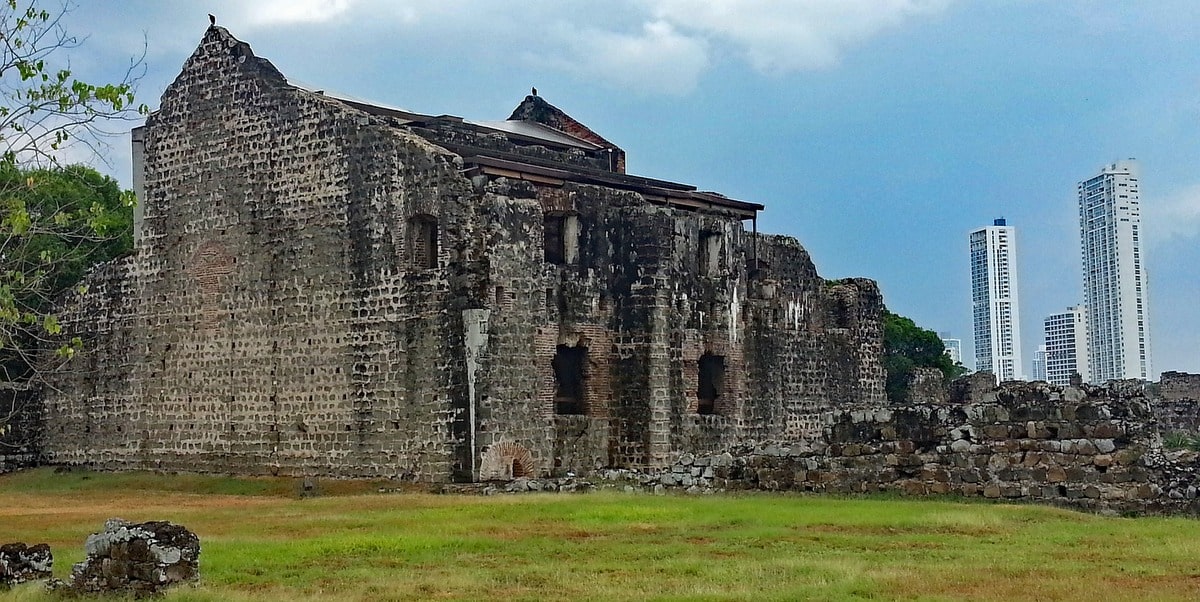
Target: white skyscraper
(1066, 346)
(994, 297)
(953, 347)
(1039, 363)
(1114, 276)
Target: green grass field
(260, 542)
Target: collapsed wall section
(1092, 447)
(1176, 399)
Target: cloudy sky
(878, 132)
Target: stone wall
(1178, 386)
(1093, 448)
(1177, 402)
(272, 319)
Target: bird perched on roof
(534, 91)
(212, 20)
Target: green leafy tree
(907, 346)
(55, 221)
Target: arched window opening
(519, 470)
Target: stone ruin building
(326, 288)
(330, 288)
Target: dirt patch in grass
(884, 531)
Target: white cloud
(1175, 216)
(658, 59)
(282, 12)
(779, 37)
(648, 46)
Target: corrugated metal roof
(525, 129)
(669, 193)
(533, 129)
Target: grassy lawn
(262, 543)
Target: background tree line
(906, 347)
(56, 221)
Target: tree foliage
(44, 108)
(55, 221)
(907, 346)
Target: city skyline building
(1039, 363)
(1114, 277)
(953, 347)
(995, 303)
(1066, 345)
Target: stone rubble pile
(136, 558)
(20, 563)
(550, 485)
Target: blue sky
(878, 132)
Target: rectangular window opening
(561, 238)
(710, 253)
(712, 383)
(569, 376)
(423, 233)
(555, 234)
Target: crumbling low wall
(139, 560)
(1179, 385)
(1094, 448)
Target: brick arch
(505, 461)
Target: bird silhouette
(211, 19)
(534, 91)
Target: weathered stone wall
(1177, 402)
(1178, 416)
(1087, 447)
(811, 345)
(271, 319)
(646, 302)
(1021, 441)
(1177, 386)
